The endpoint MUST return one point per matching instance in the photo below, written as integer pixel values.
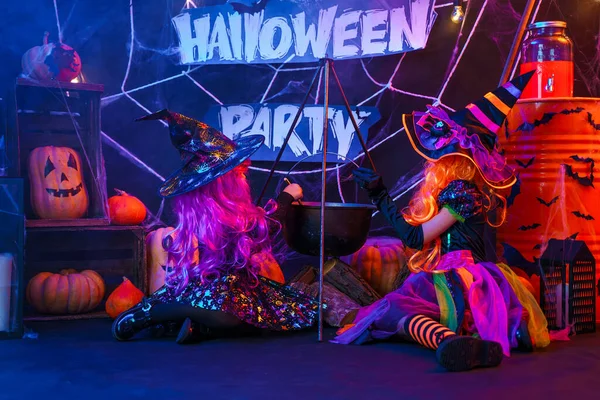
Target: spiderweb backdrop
(130, 47)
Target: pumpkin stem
(45, 40)
(121, 192)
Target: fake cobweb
(504, 18)
(392, 87)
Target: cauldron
(346, 228)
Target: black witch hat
(471, 132)
(206, 153)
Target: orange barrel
(554, 147)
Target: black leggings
(219, 322)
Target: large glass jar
(548, 50)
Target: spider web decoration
(397, 84)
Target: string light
(458, 15)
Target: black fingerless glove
(411, 236)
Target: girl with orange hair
(470, 311)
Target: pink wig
(228, 226)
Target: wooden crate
(50, 113)
(112, 251)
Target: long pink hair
(218, 230)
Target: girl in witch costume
(470, 311)
(217, 282)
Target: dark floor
(79, 360)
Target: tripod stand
(325, 64)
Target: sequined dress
(464, 293)
(264, 303)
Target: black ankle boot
(192, 332)
(524, 340)
(463, 353)
(133, 321)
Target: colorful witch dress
(260, 302)
(464, 293)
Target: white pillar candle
(6, 267)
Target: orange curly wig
(423, 205)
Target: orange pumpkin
(58, 190)
(125, 209)
(125, 296)
(51, 61)
(156, 257)
(268, 266)
(67, 292)
(379, 262)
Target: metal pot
(346, 228)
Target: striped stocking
(426, 331)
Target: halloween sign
(57, 187)
(300, 31)
(273, 121)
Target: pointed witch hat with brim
(205, 152)
(471, 132)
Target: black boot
(463, 353)
(192, 332)
(133, 321)
(524, 340)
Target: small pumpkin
(51, 61)
(156, 257)
(58, 190)
(68, 292)
(125, 296)
(268, 266)
(125, 209)
(379, 262)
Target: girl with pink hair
(217, 282)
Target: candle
(6, 266)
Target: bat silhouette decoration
(529, 227)
(548, 204)
(546, 118)
(582, 180)
(527, 164)
(514, 258)
(514, 192)
(593, 123)
(584, 216)
(587, 160)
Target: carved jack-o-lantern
(57, 187)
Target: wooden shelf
(62, 223)
(68, 317)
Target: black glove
(370, 181)
(411, 236)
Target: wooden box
(112, 251)
(61, 114)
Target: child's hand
(295, 191)
(367, 179)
